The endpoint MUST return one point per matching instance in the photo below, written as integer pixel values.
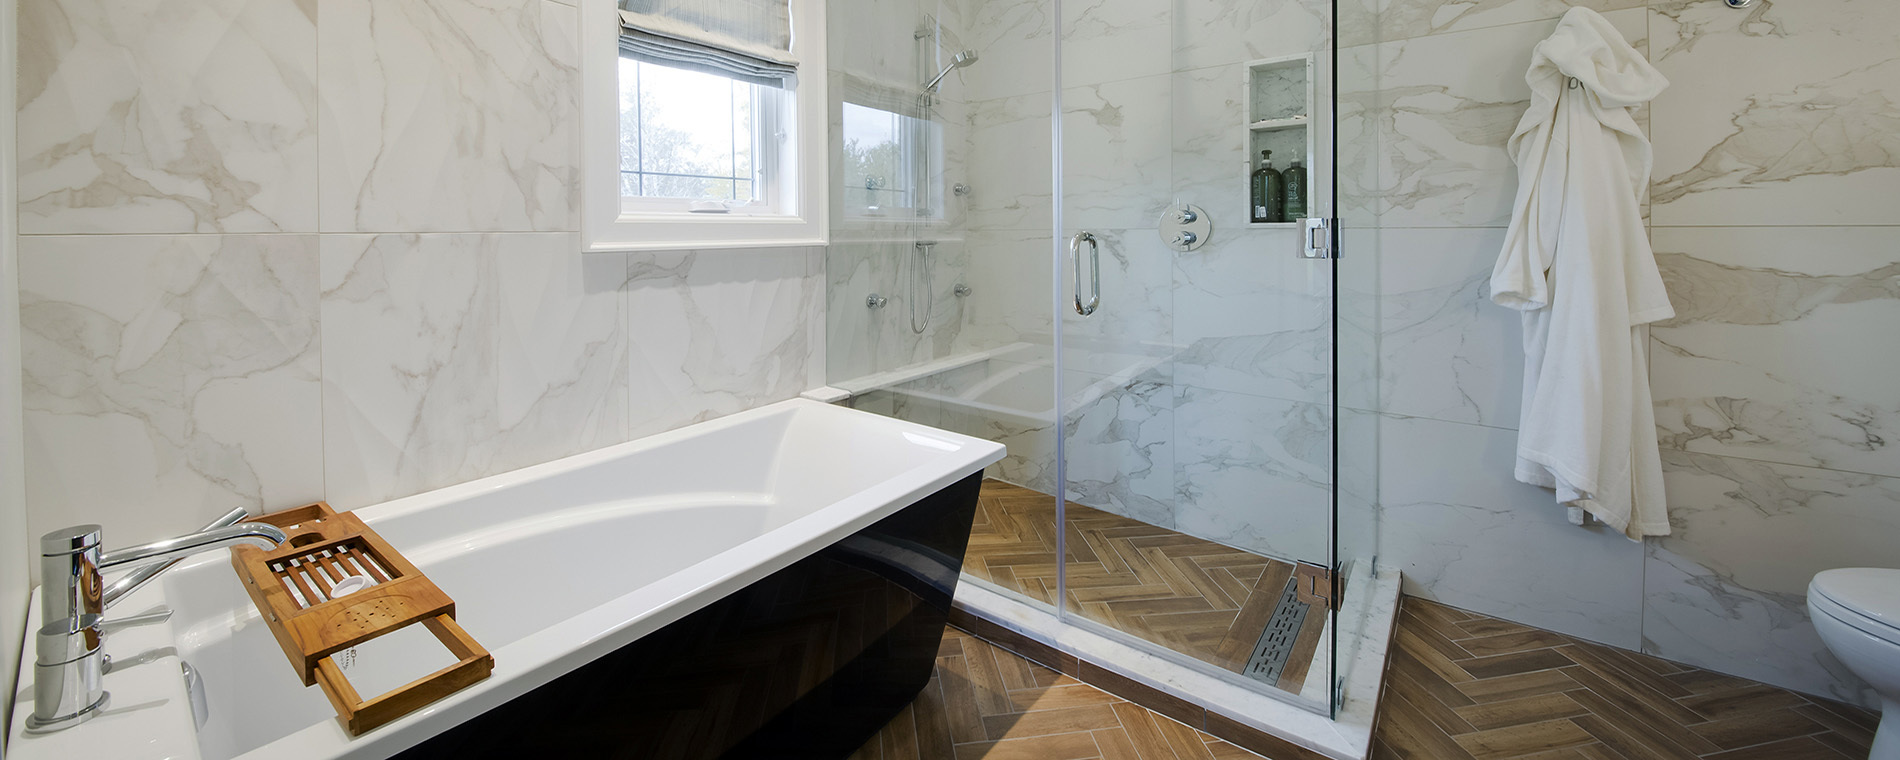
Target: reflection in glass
(884, 153)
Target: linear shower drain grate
(1275, 647)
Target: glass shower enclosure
(1045, 234)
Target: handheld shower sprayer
(960, 60)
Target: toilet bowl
(1857, 612)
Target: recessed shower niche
(1280, 119)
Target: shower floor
(1203, 599)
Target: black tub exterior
(808, 662)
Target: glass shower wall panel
(1197, 397)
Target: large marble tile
(448, 116)
(1218, 32)
(1780, 115)
(1013, 40)
(1120, 448)
(1253, 472)
(1252, 317)
(1116, 153)
(168, 379)
(1772, 356)
(409, 370)
(1467, 534)
(1115, 40)
(717, 332)
(561, 349)
(1447, 351)
(1009, 164)
(1727, 589)
(1364, 21)
(1429, 118)
(162, 117)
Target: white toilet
(1857, 612)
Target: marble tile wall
(1783, 262)
(212, 317)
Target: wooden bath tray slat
(322, 548)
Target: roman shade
(747, 40)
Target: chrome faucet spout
(70, 660)
(262, 535)
(132, 581)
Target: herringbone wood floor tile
(1200, 598)
(1461, 685)
(986, 702)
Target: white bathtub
(655, 529)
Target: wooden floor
(1202, 599)
(1462, 686)
(985, 702)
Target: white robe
(1577, 263)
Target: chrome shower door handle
(1082, 307)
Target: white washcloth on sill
(1577, 263)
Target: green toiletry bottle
(1295, 178)
(1269, 191)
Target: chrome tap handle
(154, 617)
(70, 662)
(69, 575)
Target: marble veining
(168, 379)
(1748, 537)
(720, 331)
(1783, 114)
(1466, 535)
(1429, 119)
(1822, 399)
(1364, 21)
(409, 381)
(1253, 472)
(449, 115)
(562, 339)
(160, 117)
(1447, 351)
(1121, 451)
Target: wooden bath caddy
(291, 585)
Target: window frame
(798, 190)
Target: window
(701, 126)
(888, 161)
(695, 136)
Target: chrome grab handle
(1086, 308)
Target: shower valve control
(1185, 227)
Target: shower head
(961, 60)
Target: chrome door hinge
(1313, 584)
(1318, 242)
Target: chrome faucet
(70, 662)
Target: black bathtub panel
(808, 662)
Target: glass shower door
(1195, 351)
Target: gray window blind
(747, 40)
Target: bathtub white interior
(547, 575)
